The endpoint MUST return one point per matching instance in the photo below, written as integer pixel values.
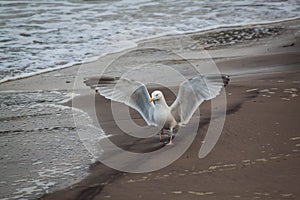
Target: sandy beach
(256, 156)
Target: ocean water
(37, 36)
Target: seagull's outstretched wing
(129, 92)
(193, 92)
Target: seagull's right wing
(129, 92)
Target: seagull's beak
(152, 99)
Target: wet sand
(257, 155)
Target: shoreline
(70, 72)
(153, 38)
(266, 55)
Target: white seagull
(154, 110)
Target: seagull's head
(156, 96)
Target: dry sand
(257, 155)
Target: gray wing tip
(218, 77)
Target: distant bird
(154, 109)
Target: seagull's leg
(171, 136)
(161, 137)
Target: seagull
(154, 109)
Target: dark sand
(256, 157)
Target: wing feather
(123, 90)
(193, 92)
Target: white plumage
(154, 109)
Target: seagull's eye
(156, 95)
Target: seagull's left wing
(129, 92)
(193, 92)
